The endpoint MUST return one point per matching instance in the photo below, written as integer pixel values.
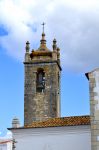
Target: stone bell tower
(42, 82)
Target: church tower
(42, 82)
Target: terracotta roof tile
(40, 53)
(63, 121)
(5, 141)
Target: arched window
(40, 83)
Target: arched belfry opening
(40, 80)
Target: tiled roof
(5, 141)
(40, 53)
(63, 121)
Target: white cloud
(5, 135)
(9, 134)
(74, 23)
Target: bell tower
(42, 82)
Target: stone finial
(58, 49)
(54, 44)
(27, 47)
(15, 123)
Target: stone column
(94, 108)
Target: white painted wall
(3, 146)
(6, 145)
(9, 145)
(53, 138)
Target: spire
(43, 41)
(43, 24)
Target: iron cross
(43, 24)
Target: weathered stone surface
(46, 104)
(94, 108)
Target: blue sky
(74, 24)
(74, 92)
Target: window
(40, 83)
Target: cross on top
(43, 24)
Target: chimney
(15, 123)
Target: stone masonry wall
(94, 108)
(40, 106)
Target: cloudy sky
(75, 25)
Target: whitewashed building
(5, 144)
(71, 133)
